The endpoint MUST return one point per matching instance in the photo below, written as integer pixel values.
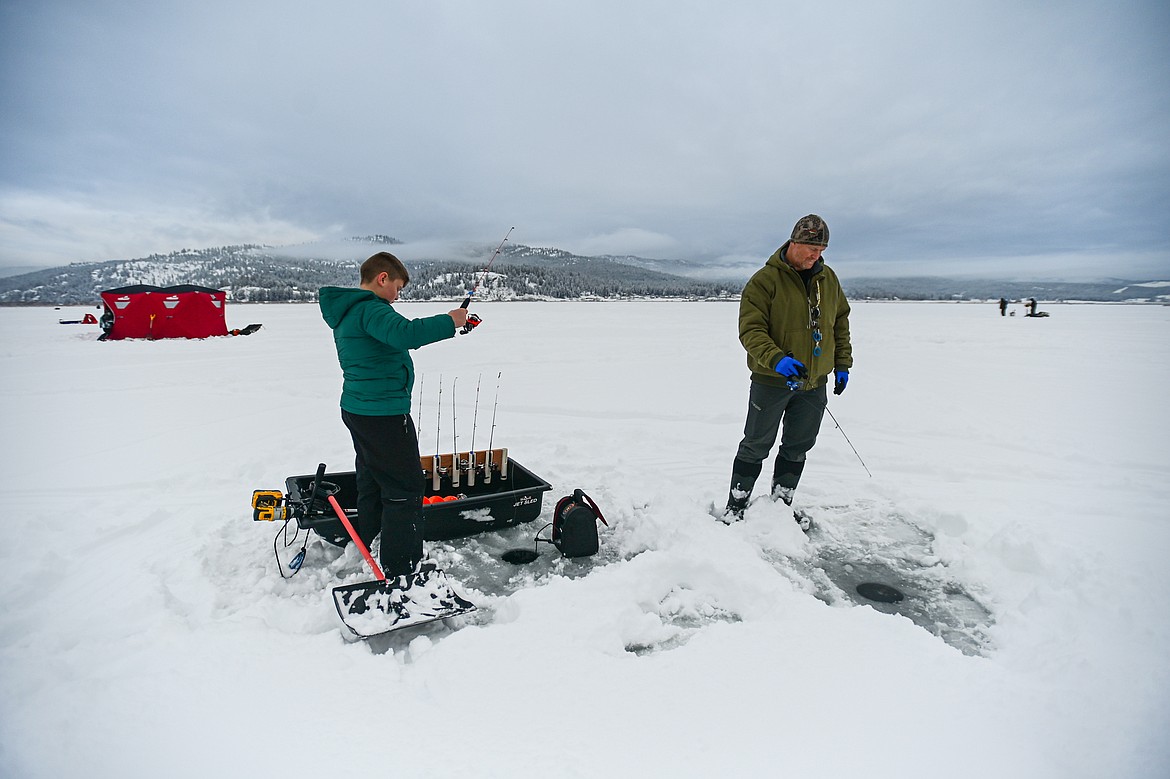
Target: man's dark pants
(800, 411)
(390, 487)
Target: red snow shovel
(373, 608)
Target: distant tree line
(448, 280)
(939, 289)
(251, 273)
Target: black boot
(785, 477)
(743, 479)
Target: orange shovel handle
(353, 535)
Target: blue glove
(842, 378)
(790, 366)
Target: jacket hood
(336, 302)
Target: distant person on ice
(373, 346)
(1031, 306)
(794, 324)
(1002, 307)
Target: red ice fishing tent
(143, 311)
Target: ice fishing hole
(520, 556)
(882, 593)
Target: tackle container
(512, 495)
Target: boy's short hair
(384, 262)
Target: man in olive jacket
(373, 346)
(794, 324)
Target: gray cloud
(1015, 135)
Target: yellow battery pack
(268, 506)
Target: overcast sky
(1019, 137)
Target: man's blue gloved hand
(790, 366)
(842, 378)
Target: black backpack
(574, 525)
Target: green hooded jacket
(776, 316)
(373, 346)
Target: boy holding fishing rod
(373, 347)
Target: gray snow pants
(801, 412)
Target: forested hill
(254, 273)
(267, 274)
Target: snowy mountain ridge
(259, 273)
(252, 272)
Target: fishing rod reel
(796, 380)
(473, 322)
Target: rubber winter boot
(743, 479)
(785, 477)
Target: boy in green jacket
(373, 346)
(794, 325)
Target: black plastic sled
(466, 494)
(246, 330)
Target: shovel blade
(375, 608)
(369, 608)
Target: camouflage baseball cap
(811, 229)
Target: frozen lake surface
(1020, 481)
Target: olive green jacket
(775, 318)
(373, 346)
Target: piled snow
(145, 630)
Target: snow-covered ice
(1021, 476)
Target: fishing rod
(851, 446)
(492, 434)
(454, 419)
(472, 319)
(436, 461)
(488, 267)
(471, 462)
(475, 413)
(495, 406)
(454, 436)
(795, 383)
(422, 394)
